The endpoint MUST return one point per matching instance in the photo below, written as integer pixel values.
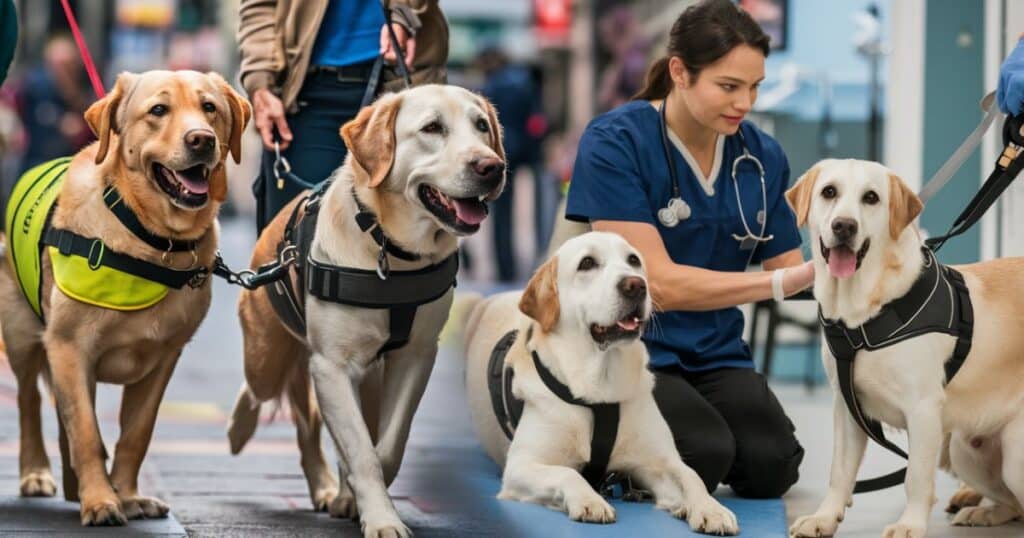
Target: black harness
(71, 243)
(509, 409)
(938, 302)
(400, 292)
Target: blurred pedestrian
(517, 98)
(51, 101)
(307, 67)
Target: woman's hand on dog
(269, 112)
(798, 277)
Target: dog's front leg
(405, 378)
(680, 491)
(139, 407)
(924, 428)
(72, 383)
(849, 444)
(557, 487)
(336, 386)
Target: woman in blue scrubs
(726, 422)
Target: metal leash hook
(280, 162)
(383, 265)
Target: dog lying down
(585, 310)
(868, 253)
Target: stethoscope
(678, 210)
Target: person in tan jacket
(307, 67)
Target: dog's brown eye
(633, 260)
(870, 198)
(209, 107)
(586, 264)
(483, 126)
(433, 127)
(158, 110)
(828, 193)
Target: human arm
(261, 62)
(682, 287)
(406, 23)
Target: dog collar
(113, 200)
(367, 222)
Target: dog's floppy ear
(540, 299)
(904, 206)
(800, 194)
(370, 137)
(496, 131)
(240, 114)
(102, 115)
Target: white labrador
(586, 309)
(980, 413)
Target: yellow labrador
(867, 253)
(585, 310)
(164, 138)
(423, 161)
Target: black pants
(729, 428)
(325, 104)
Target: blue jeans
(325, 104)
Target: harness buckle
(96, 254)
(383, 265)
(199, 278)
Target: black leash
(1007, 167)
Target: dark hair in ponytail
(704, 33)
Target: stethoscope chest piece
(675, 212)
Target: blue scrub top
(621, 174)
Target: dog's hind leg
(336, 384)
(139, 407)
(33, 463)
(323, 488)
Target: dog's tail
(244, 419)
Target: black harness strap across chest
(606, 415)
(938, 302)
(400, 292)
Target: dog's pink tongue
(200, 186)
(842, 262)
(628, 324)
(470, 211)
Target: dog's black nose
(844, 228)
(488, 169)
(633, 287)
(200, 140)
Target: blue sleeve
(1010, 90)
(781, 219)
(606, 183)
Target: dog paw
(102, 511)
(709, 517)
(323, 498)
(964, 497)
(903, 530)
(591, 509)
(384, 526)
(814, 526)
(139, 507)
(343, 505)
(984, 516)
(38, 484)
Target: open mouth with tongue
(187, 188)
(463, 215)
(629, 327)
(842, 261)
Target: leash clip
(199, 278)
(280, 163)
(383, 266)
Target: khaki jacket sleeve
(407, 12)
(259, 45)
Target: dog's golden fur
(82, 344)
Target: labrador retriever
(868, 252)
(425, 162)
(582, 313)
(163, 141)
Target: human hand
(407, 42)
(268, 111)
(1010, 91)
(798, 277)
